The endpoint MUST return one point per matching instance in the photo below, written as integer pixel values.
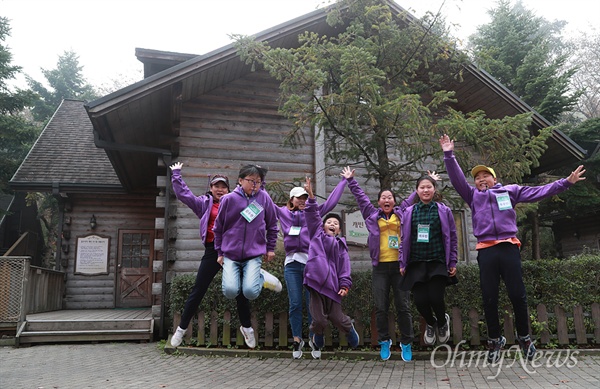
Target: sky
(105, 33)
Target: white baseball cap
(297, 192)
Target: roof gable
(64, 156)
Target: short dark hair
(250, 170)
(437, 196)
(334, 216)
(386, 190)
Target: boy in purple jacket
(245, 231)
(326, 275)
(296, 242)
(495, 227)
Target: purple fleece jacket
(449, 236)
(372, 214)
(238, 239)
(200, 205)
(489, 222)
(287, 219)
(328, 267)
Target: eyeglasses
(254, 183)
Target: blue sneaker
(352, 337)
(406, 352)
(318, 341)
(526, 344)
(385, 351)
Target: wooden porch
(87, 325)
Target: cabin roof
(64, 157)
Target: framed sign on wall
(91, 254)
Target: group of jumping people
(413, 248)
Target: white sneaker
(177, 337)
(315, 351)
(297, 349)
(248, 336)
(270, 281)
(444, 331)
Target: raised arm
(313, 217)
(364, 204)
(457, 178)
(333, 198)
(183, 193)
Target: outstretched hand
(434, 175)
(308, 188)
(176, 165)
(347, 173)
(575, 175)
(446, 143)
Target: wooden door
(134, 268)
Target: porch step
(90, 330)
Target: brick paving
(145, 365)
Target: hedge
(565, 282)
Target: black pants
(429, 299)
(502, 261)
(208, 269)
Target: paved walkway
(135, 365)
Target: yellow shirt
(389, 238)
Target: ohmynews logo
(508, 358)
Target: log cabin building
(107, 162)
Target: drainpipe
(61, 218)
(166, 156)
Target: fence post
(283, 338)
(579, 325)
(214, 328)
(201, 329)
(374, 333)
(268, 329)
(561, 325)
(474, 325)
(456, 319)
(226, 329)
(596, 320)
(360, 327)
(509, 326)
(543, 319)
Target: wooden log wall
(233, 125)
(113, 212)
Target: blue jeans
(387, 275)
(293, 273)
(242, 276)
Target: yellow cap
(482, 168)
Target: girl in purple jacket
(327, 275)
(427, 256)
(495, 227)
(245, 231)
(206, 208)
(292, 221)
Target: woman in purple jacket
(427, 256)
(296, 242)
(327, 275)
(245, 231)
(206, 208)
(495, 227)
(383, 224)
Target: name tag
(252, 211)
(423, 233)
(393, 242)
(294, 230)
(503, 200)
